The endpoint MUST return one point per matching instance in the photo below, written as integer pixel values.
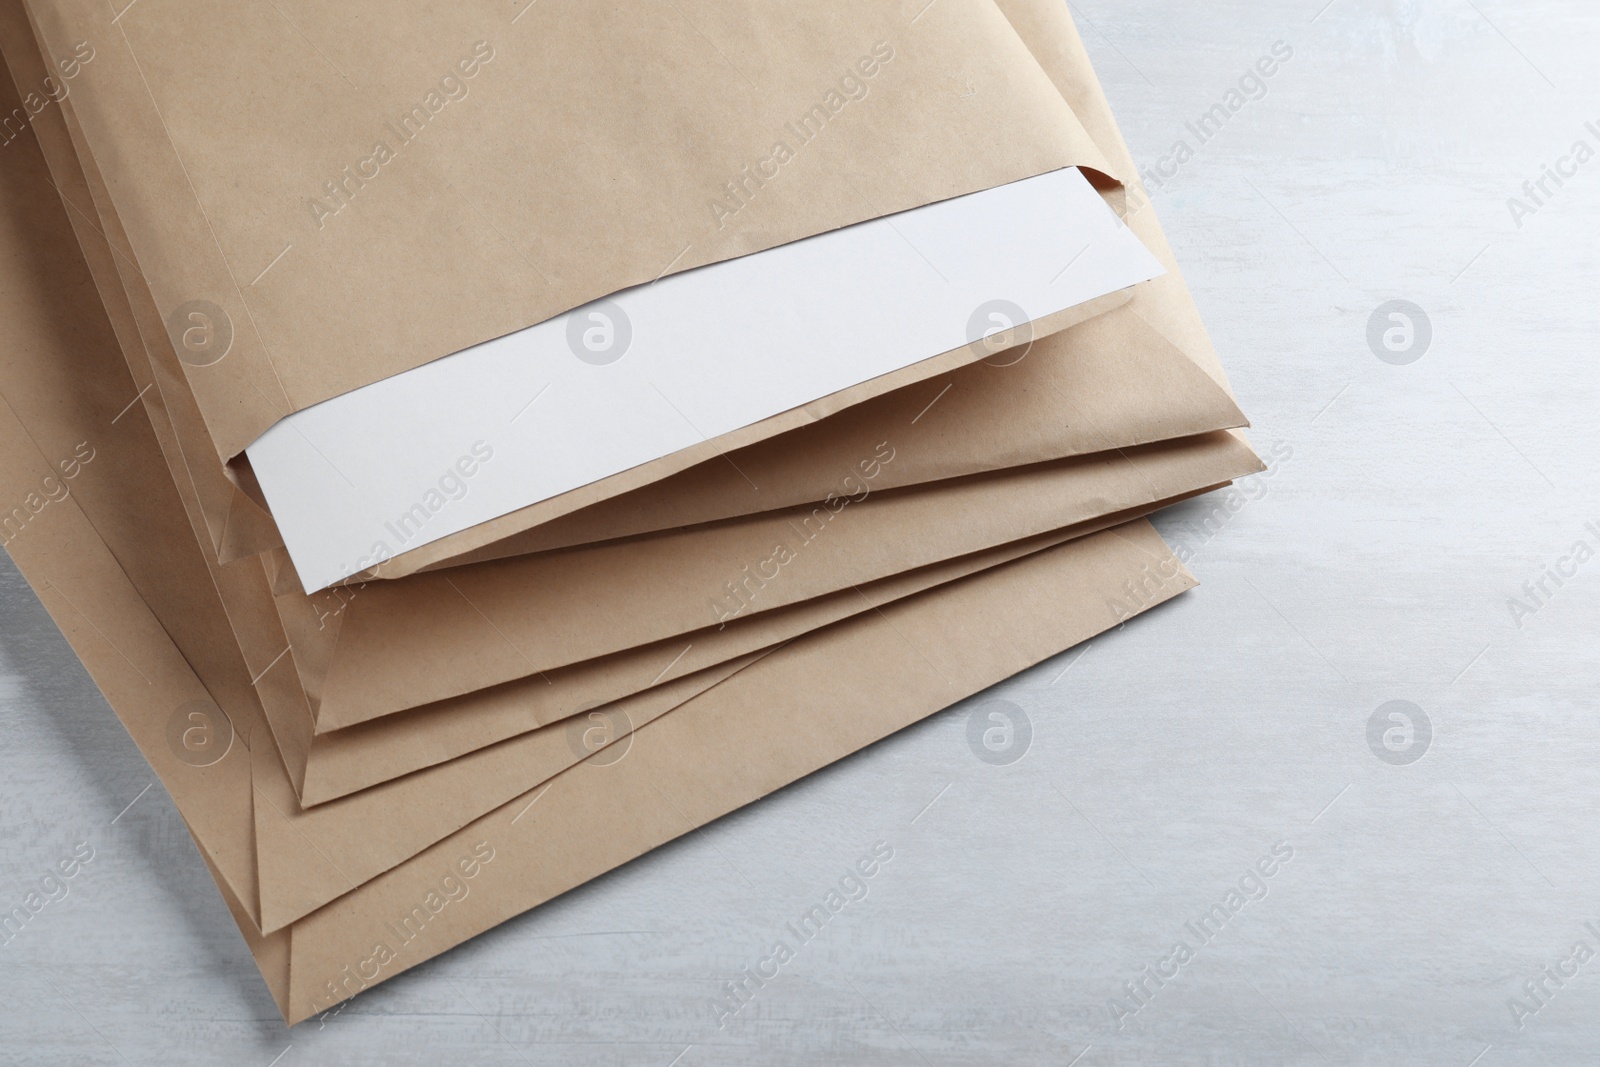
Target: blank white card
(651, 370)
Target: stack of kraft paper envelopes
(456, 437)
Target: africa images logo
(1399, 333)
(999, 732)
(1399, 733)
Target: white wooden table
(1411, 501)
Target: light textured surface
(1408, 505)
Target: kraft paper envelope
(283, 884)
(146, 522)
(762, 729)
(356, 763)
(69, 106)
(287, 880)
(348, 760)
(269, 650)
(394, 770)
(1030, 444)
(1163, 305)
(93, 579)
(270, 954)
(217, 133)
(362, 761)
(432, 636)
(309, 622)
(1203, 409)
(308, 856)
(979, 630)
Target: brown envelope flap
(436, 635)
(345, 761)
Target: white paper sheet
(654, 369)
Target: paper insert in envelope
(435, 450)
